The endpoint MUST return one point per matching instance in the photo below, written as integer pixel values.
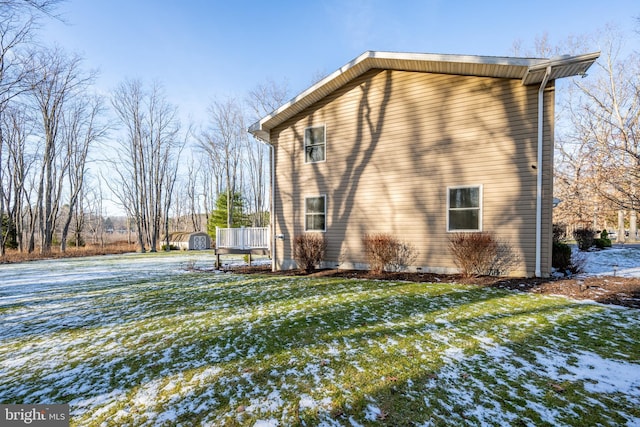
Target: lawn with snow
(140, 340)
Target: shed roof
(529, 70)
(184, 236)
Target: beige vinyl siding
(394, 142)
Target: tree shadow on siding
(447, 157)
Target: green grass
(220, 349)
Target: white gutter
(543, 84)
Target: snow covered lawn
(140, 340)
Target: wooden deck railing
(244, 238)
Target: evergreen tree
(10, 237)
(218, 216)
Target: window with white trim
(464, 208)
(315, 213)
(315, 144)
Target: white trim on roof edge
(528, 70)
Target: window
(315, 213)
(314, 144)
(464, 206)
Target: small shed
(187, 241)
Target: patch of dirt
(624, 291)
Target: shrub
(561, 256)
(602, 243)
(584, 238)
(309, 249)
(76, 242)
(559, 232)
(404, 255)
(480, 254)
(385, 252)
(565, 261)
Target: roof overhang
(529, 70)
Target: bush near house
(563, 259)
(383, 251)
(309, 250)
(561, 256)
(559, 232)
(481, 254)
(584, 238)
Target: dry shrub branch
(309, 250)
(481, 254)
(384, 251)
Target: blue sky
(202, 50)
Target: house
(419, 146)
(190, 241)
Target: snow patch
(372, 413)
(599, 375)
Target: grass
(196, 348)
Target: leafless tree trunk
(128, 103)
(17, 25)
(79, 219)
(192, 194)
(81, 131)
(171, 175)
(262, 100)
(15, 167)
(56, 82)
(94, 219)
(149, 154)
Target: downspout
(545, 80)
(272, 222)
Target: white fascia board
(375, 59)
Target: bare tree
(170, 172)
(46, 7)
(17, 26)
(81, 130)
(56, 83)
(15, 167)
(262, 100)
(597, 157)
(223, 142)
(192, 193)
(211, 187)
(92, 214)
(148, 157)
(267, 97)
(605, 127)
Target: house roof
(529, 70)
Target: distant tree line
(64, 149)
